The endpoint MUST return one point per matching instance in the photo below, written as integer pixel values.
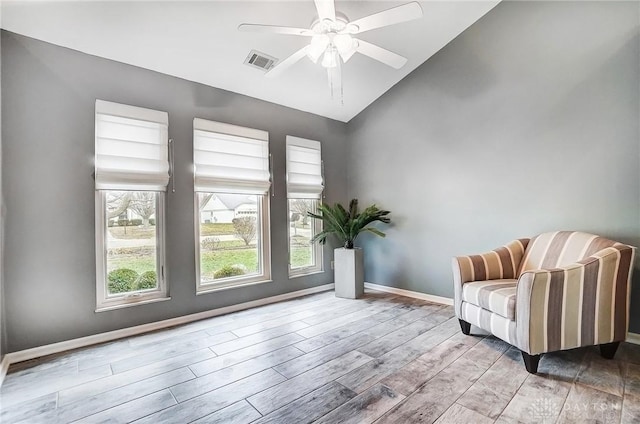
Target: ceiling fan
(332, 38)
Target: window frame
(264, 250)
(317, 248)
(104, 301)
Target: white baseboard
(36, 352)
(633, 338)
(409, 293)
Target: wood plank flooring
(382, 359)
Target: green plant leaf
(321, 237)
(353, 208)
(347, 225)
(375, 231)
(335, 219)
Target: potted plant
(346, 226)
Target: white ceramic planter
(349, 272)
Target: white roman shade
(230, 159)
(304, 169)
(131, 148)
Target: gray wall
(527, 122)
(2, 321)
(49, 94)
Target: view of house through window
(230, 236)
(131, 241)
(302, 253)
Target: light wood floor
(383, 358)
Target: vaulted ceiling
(199, 41)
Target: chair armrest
(503, 262)
(581, 304)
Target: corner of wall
(3, 338)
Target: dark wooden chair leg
(465, 327)
(531, 362)
(608, 350)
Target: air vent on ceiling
(260, 60)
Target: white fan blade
(382, 55)
(334, 75)
(326, 9)
(272, 29)
(406, 12)
(286, 63)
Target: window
(131, 176)
(232, 179)
(304, 190)
(304, 257)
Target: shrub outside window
(132, 244)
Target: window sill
(129, 304)
(212, 288)
(304, 274)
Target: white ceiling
(199, 41)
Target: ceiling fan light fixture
(343, 42)
(352, 28)
(330, 59)
(317, 46)
(325, 25)
(346, 46)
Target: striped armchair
(556, 291)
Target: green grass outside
(227, 244)
(139, 232)
(139, 264)
(216, 229)
(213, 261)
(300, 256)
(133, 232)
(150, 250)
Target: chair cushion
(497, 296)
